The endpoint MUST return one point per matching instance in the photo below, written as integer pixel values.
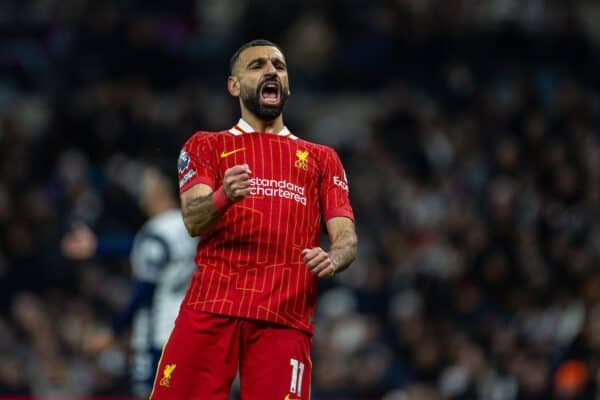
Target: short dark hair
(252, 43)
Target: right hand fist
(236, 182)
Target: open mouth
(270, 93)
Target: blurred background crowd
(470, 134)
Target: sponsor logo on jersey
(167, 373)
(342, 183)
(287, 397)
(188, 175)
(274, 188)
(302, 159)
(228, 153)
(183, 161)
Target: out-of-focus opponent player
(162, 261)
(258, 195)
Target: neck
(259, 125)
(159, 206)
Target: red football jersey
(250, 264)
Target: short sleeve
(334, 190)
(195, 163)
(149, 256)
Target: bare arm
(342, 253)
(200, 207)
(344, 242)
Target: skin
(253, 67)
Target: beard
(251, 100)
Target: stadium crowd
(470, 135)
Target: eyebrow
(264, 59)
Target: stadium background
(470, 133)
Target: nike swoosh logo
(228, 153)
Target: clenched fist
(318, 262)
(236, 182)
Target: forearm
(201, 207)
(343, 249)
(200, 215)
(141, 295)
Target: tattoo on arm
(343, 249)
(200, 215)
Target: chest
(271, 157)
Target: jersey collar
(242, 127)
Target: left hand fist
(318, 262)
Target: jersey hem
(306, 329)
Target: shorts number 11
(297, 372)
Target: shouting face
(260, 79)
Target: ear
(289, 90)
(233, 86)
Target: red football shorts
(202, 355)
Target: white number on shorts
(297, 372)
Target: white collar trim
(243, 127)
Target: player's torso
(250, 265)
(181, 252)
(155, 324)
(281, 215)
